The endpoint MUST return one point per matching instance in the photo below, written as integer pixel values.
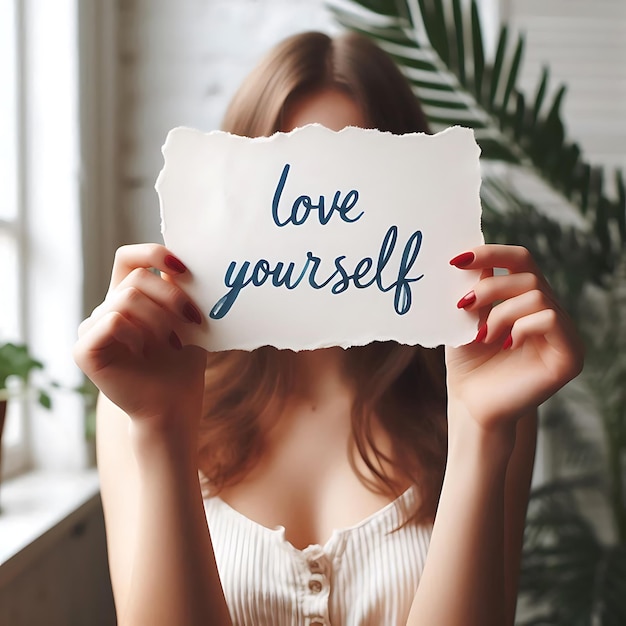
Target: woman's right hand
(129, 346)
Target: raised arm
(526, 350)
(161, 560)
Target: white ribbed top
(364, 575)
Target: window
(40, 227)
(11, 221)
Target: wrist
(472, 441)
(172, 441)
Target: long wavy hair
(403, 387)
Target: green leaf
(15, 360)
(479, 53)
(434, 21)
(45, 400)
(512, 77)
(497, 65)
(570, 162)
(541, 92)
(520, 116)
(585, 187)
(620, 207)
(460, 40)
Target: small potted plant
(16, 363)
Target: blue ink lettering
(304, 205)
(339, 279)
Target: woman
(322, 470)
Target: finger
(483, 311)
(133, 304)
(505, 315)
(150, 255)
(513, 258)
(166, 294)
(565, 355)
(487, 272)
(493, 289)
(96, 348)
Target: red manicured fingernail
(192, 314)
(466, 300)
(175, 264)
(481, 334)
(508, 342)
(175, 341)
(463, 260)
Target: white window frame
(15, 454)
(65, 226)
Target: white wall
(584, 43)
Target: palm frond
(447, 98)
(604, 378)
(439, 48)
(567, 569)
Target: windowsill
(36, 509)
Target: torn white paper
(318, 238)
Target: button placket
(316, 583)
(315, 566)
(317, 561)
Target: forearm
(174, 576)
(463, 579)
(518, 479)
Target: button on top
(315, 566)
(315, 586)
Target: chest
(308, 479)
(308, 505)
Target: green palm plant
(440, 49)
(574, 572)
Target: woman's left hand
(526, 346)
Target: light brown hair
(313, 61)
(403, 386)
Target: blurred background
(89, 91)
